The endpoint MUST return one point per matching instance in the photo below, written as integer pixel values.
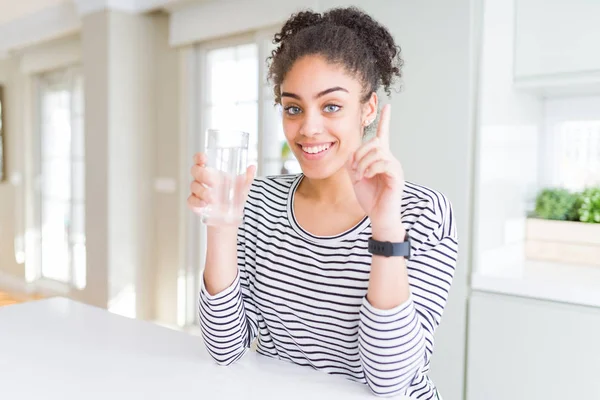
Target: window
(571, 150)
(231, 100)
(558, 147)
(231, 92)
(59, 168)
(236, 95)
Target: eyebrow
(320, 94)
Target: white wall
(95, 69)
(509, 126)
(132, 137)
(12, 10)
(557, 37)
(212, 19)
(524, 349)
(131, 156)
(167, 166)
(10, 223)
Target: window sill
(564, 283)
(42, 287)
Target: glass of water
(227, 159)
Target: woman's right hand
(220, 268)
(205, 180)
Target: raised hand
(378, 177)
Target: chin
(319, 172)
(316, 175)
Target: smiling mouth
(312, 149)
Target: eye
(331, 108)
(292, 110)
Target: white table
(61, 349)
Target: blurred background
(103, 104)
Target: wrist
(223, 230)
(389, 232)
(221, 236)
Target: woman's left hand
(378, 179)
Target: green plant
(589, 210)
(573, 214)
(557, 204)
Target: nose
(312, 124)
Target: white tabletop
(61, 349)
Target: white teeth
(316, 149)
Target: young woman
(308, 272)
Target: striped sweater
(304, 296)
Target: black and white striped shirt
(304, 296)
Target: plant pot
(563, 241)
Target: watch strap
(390, 249)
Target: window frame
(33, 247)
(555, 111)
(194, 69)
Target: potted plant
(565, 227)
(589, 209)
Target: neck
(335, 189)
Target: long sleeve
(228, 319)
(396, 345)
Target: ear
(369, 110)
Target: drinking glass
(227, 158)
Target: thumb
(243, 183)
(250, 175)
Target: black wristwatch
(389, 249)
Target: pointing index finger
(383, 130)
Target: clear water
(229, 166)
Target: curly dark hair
(344, 36)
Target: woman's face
(323, 118)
